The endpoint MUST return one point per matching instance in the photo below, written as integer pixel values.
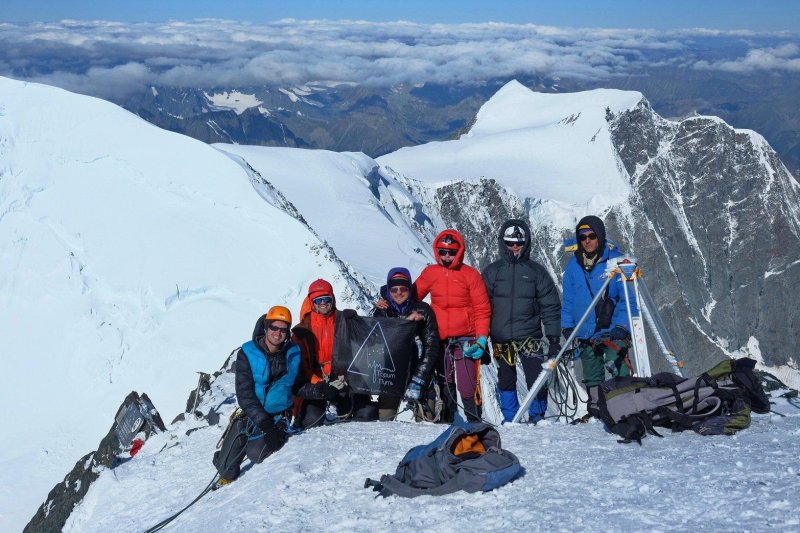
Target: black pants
(242, 439)
(356, 407)
(507, 374)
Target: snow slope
(578, 478)
(542, 146)
(129, 257)
(355, 214)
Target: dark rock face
(716, 220)
(62, 499)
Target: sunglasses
(398, 290)
(322, 300)
(444, 253)
(513, 244)
(285, 331)
(588, 236)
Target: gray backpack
(467, 456)
(716, 402)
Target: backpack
(467, 456)
(717, 402)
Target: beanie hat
(514, 233)
(398, 277)
(585, 228)
(319, 288)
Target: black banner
(375, 353)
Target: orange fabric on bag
(468, 444)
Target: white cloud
(110, 58)
(783, 57)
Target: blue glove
(476, 350)
(414, 389)
(601, 336)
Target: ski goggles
(588, 236)
(322, 300)
(443, 252)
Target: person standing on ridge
(401, 302)
(267, 377)
(523, 297)
(316, 334)
(602, 342)
(462, 309)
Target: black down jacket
(523, 295)
(427, 331)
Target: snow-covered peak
(551, 147)
(129, 258)
(515, 107)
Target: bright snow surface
(542, 146)
(578, 478)
(129, 258)
(332, 192)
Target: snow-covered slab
(578, 478)
(129, 257)
(234, 100)
(347, 204)
(543, 146)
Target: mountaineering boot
(509, 404)
(537, 410)
(221, 482)
(472, 411)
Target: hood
(318, 287)
(505, 253)
(458, 261)
(597, 226)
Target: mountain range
(132, 256)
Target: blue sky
(716, 14)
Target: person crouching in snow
(316, 336)
(462, 309)
(267, 377)
(400, 302)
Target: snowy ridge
(324, 469)
(129, 256)
(526, 141)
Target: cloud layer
(111, 59)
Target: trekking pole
(656, 324)
(629, 271)
(552, 364)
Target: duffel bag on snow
(716, 402)
(467, 456)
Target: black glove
(274, 436)
(325, 391)
(566, 332)
(555, 346)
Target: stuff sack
(467, 456)
(716, 402)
